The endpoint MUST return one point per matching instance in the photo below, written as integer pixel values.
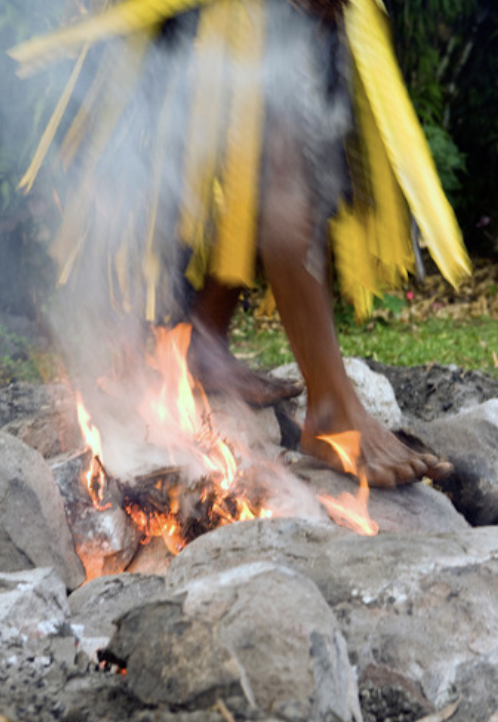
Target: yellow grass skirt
(215, 207)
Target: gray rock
(432, 391)
(68, 470)
(33, 527)
(294, 543)
(469, 441)
(151, 558)
(477, 685)
(422, 606)
(414, 507)
(98, 603)
(258, 629)
(251, 428)
(43, 416)
(106, 541)
(33, 603)
(374, 390)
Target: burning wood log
(160, 504)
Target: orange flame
(175, 406)
(95, 477)
(348, 510)
(176, 409)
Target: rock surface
(33, 527)
(418, 606)
(434, 391)
(468, 440)
(258, 629)
(98, 603)
(44, 417)
(416, 508)
(374, 390)
(33, 603)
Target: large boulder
(258, 630)
(33, 526)
(43, 416)
(418, 608)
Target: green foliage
(448, 52)
(450, 161)
(19, 361)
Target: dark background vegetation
(448, 52)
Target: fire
(95, 476)
(177, 417)
(181, 405)
(348, 510)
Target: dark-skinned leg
(305, 308)
(210, 359)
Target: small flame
(95, 476)
(348, 510)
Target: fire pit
(256, 620)
(216, 485)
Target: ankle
(333, 415)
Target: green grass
(262, 343)
(470, 344)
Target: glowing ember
(348, 510)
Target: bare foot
(385, 460)
(211, 363)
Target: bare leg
(305, 308)
(210, 359)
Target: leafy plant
(450, 160)
(448, 52)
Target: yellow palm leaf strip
(121, 68)
(351, 233)
(389, 247)
(122, 265)
(204, 135)
(408, 151)
(151, 264)
(233, 257)
(80, 207)
(72, 234)
(267, 306)
(82, 119)
(26, 182)
(118, 20)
